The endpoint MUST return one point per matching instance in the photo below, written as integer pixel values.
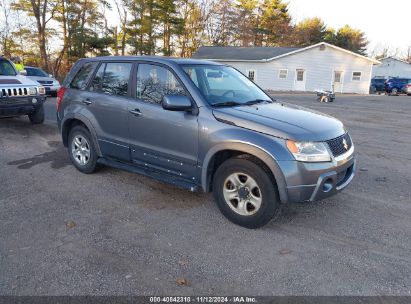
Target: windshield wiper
(227, 104)
(235, 103)
(255, 101)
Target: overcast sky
(386, 23)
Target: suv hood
(16, 81)
(38, 78)
(282, 120)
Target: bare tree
(5, 27)
(122, 13)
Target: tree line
(53, 34)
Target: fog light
(32, 91)
(41, 90)
(34, 100)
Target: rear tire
(245, 193)
(81, 150)
(37, 117)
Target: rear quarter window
(83, 76)
(112, 78)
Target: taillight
(60, 95)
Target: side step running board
(165, 178)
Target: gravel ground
(116, 233)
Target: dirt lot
(113, 232)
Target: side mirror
(23, 72)
(176, 103)
(51, 76)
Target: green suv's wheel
(245, 193)
(37, 117)
(81, 150)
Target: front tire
(81, 150)
(37, 117)
(245, 193)
(394, 91)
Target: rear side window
(112, 78)
(153, 82)
(98, 79)
(116, 77)
(83, 76)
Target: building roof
(394, 58)
(228, 53)
(241, 53)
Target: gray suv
(202, 125)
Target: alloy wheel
(80, 149)
(242, 194)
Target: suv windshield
(36, 72)
(224, 86)
(6, 69)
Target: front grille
(14, 92)
(340, 145)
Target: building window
(300, 75)
(251, 75)
(283, 74)
(356, 76)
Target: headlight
(41, 90)
(309, 151)
(56, 83)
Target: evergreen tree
(309, 31)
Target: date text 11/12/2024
(203, 299)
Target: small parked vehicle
(325, 96)
(394, 86)
(51, 84)
(406, 89)
(377, 85)
(202, 125)
(20, 95)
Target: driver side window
(153, 82)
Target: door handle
(86, 101)
(135, 112)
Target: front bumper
(308, 182)
(51, 89)
(12, 106)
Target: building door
(299, 84)
(338, 81)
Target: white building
(392, 67)
(320, 66)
